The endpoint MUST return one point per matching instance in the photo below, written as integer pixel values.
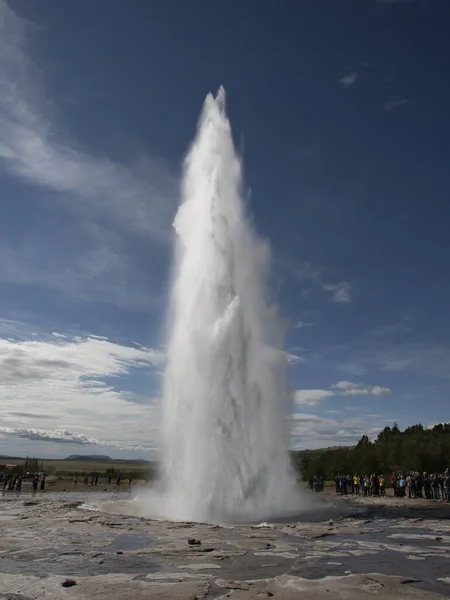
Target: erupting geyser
(226, 402)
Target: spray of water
(225, 399)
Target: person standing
(447, 485)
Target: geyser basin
(225, 398)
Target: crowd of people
(316, 483)
(364, 485)
(434, 486)
(93, 480)
(13, 482)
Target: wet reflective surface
(100, 535)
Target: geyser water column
(225, 401)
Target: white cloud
(311, 397)
(343, 385)
(78, 357)
(14, 328)
(340, 291)
(301, 324)
(60, 436)
(59, 391)
(293, 359)
(102, 202)
(348, 388)
(306, 418)
(375, 390)
(341, 388)
(349, 79)
(319, 278)
(373, 432)
(37, 153)
(67, 383)
(313, 431)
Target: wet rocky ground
(53, 547)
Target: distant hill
(88, 457)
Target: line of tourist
(434, 486)
(316, 483)
(13, 483)
(364, 485)
(93, 480)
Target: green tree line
(415, 448)
(32, 465)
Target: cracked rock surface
(53, 548)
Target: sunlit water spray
(225, 399)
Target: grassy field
(136, 468)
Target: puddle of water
(129, 542)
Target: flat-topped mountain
(88, 457)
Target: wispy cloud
(294, 359)
(90, 266)
(393, 104)
(349, 79)
(59, 436)
(320, 278)
(311, 397)
(37, 360)
(34, 149)
(348, 388)
(299, 349)
(341, 388)
(76, 383)
(13, 328)
(99, 203)
(340, 292)
(413, 357)
(301, 324)
(401, 326)
(313, 431)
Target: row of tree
(415, 448)
(33, 465)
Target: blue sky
(341, 114)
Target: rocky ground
(52, 547)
